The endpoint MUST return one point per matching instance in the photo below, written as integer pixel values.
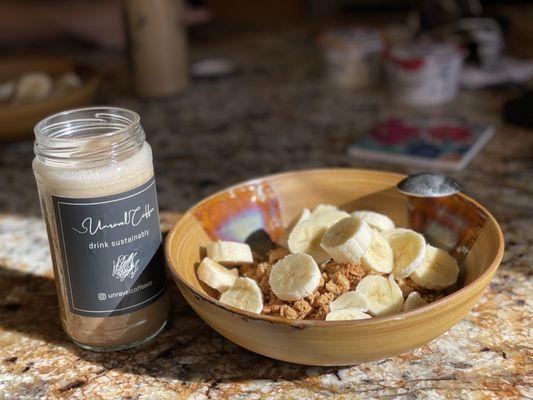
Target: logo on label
(132, 217)
(125, 266)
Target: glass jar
(95, 177)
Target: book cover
(427, 141)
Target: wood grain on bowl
(332, 342)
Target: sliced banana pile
(385, 252)
(347, 241)
(35, 86)
(242, 293)
(306, 235)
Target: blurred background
(231, 89)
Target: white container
(424, 73)
(352, 57)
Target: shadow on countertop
(187, 350)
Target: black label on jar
(111, 251)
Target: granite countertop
(276, 114)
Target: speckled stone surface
(277, 114)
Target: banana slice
(347, 240)
(438, 270)
(375, 220)
(383, 295)
(229, 253)
(349, 300)
(6, 90)
(379, 257)
(395, 231)
(34, 86)
(215, 275)
(306, 236)
(329, 217)
(305, 239)
(245, 295)
(322, 208)
(67, 81)
(346, 314)
(409, 248)
(294, 277)
(302, 216)
(414, 300)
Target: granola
(336, 280)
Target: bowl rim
(402, 315)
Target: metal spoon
(429, 184)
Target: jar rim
(38, 129)
(88, 136)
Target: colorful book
(426, 141)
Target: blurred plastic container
(353, 57)
(424, 73)
(481, 36)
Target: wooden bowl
(18, 119)
(238, 212)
